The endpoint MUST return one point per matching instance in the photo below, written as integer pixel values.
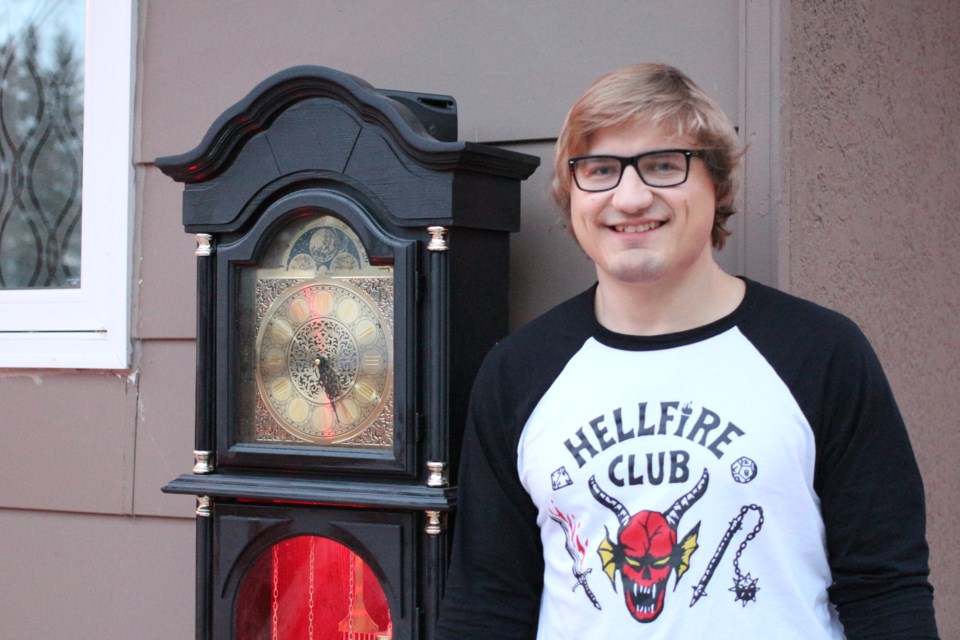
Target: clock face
(324, 365)
(315, 338)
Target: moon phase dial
(324, 361)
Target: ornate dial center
(324, 360)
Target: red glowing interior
(311, 587)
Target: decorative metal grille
(41, 152)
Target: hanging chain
(352, 593)
(274, 633)
(750, 536)
(311, 591)
(745, 588)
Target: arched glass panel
(310, 587)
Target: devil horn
(680, 507)
(609, 501)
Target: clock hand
(328, 380)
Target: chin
(639, 273)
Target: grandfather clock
(352, 271)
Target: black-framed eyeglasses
(666, 168)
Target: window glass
(41, 142)
(53, 311)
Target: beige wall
(93, 547)
(872, 155)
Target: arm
(872, 503)
(495, 579)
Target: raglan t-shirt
(751, 478)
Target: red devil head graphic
(647, 550)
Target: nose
(632, 195)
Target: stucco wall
(873, 150)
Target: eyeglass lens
(660, 169)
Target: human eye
(663, 164)
(598, 167)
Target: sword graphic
(581, 576)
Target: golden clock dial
(324, 361)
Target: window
(77, 316)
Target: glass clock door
(311, 587)
(316, 341)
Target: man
(677, 452)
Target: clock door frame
(385, 540)
(244, 252)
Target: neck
(660, 307)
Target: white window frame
(89, 327)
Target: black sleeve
(866, 476)
(495, 580)
(496, 574)
(872, 501)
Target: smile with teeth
(637, 228)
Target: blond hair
(662, 96)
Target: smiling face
(637, 234)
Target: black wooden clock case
(315, 141)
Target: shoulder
(777, 322)
(821, 355)
(520, 368)
(556, 334)
(776, 304)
